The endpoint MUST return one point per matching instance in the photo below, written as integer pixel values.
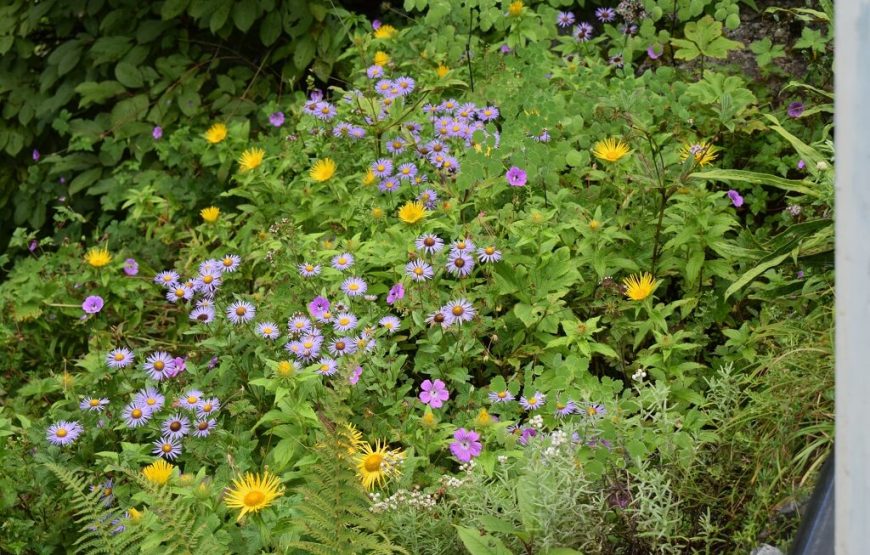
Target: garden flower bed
(475, 277)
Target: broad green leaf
(791, 185)
(481, 545)
(704, 38)
(128, 75)
(746, 278)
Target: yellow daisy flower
(216, 133)
(98, 257)
(210, 214)
(322, 170)
(158, 472)
(594, 225)
(376, 466)
(385, 32)
(381, 58)
(251, 159)
(483, 419)
(412, 212)
(369, 178)
(637, 288)
(515, 9)
(442, 71)
(704, 153)
(610, 150)
(253, 493)
(285, 369)
(135, 514)
(428, 419)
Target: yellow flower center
(339, 346)
(308, 344)
(202, 425)
(167, 447)
(533, 401)
(344, 321)
(207, 279)
(228, 261)
(94, 402)
(591, 411)
(489, 250)
(192, 399)
(151, 401)
(179, 292)
(460, 245)
(61, 432)
(107, 492)
(309, 268)
(372, 462)
(240, 311)
(159, 365)
(254, 498)
(207, 407)
(418, 271)
(342, 260)
(267, 330)
(502, 394)
(353, 286)
(136, 413)
(457, 310)
(119, 356)
(167, 279)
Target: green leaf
(270, 29)
(96, 93)
(172, 8)
(703, 38)
(792, 185)
(128, 75)
(481, 545)
(245, 13)
(304, 52)
(746, 278)
(85, 180)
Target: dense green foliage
(686, 413)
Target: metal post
(852, 120)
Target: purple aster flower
(504, 49)
(106, 493)
(135, 415)
(459, 264)
(735, 197)
(375, 72)
(63, 432)
(309, 270)
(324, 111)
(458, 311)
(341, 129)
(405, 85)
(240, 312)
(342, 261)
(178, 368)
(36, 155)
(93, 304)
(795, 109)
(202, 314)
(376, 24)
(268, 330)
(179, 292)
(158, 364)
(95, 404)
(583, 31)
(503, 396)
(383, 87)
(190, 400)
(429, 198)
(465, 246)
(327, 366)
(357, 132)
(429, 243)
(207, 407)
(202, 428)
(176, 426)
(438, 318)
(653, 52)
(390, 323)
(595, 409)
(565, 409)
(341, 346)
(119, 358)
(299, 324)
(150, 399)
(354, 286)
(309, 346)
(365, 343)
(605, 15)
(488, 113)
(157, 133)
(318, 306)
(276, 119)
(397, 292)
(488, 254)
(389, 185)
(382, 167)
(466, 445)
(32, 245)
(564, 19)
(212, 363)
(419, 179)
(355, 375)
(406, 171)
(166, 278)
(230, 262)
(516, 177)
(207, 283)
(419, 270)
(167, 447)
(131, 268)
(533, 402)
(433, 393)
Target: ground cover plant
(453, 277)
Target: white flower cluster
(403, 498)
(537, 421)
(557, 439)
(639, 375)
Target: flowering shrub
(509, 293)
